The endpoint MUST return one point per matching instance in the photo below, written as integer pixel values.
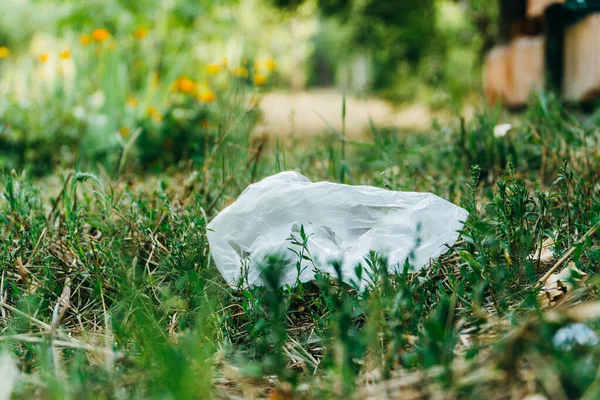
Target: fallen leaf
(561, 284)
(23, 272)
(584, 312)
(283, 392)
(62, 304)
(545, 253)
(230, 371)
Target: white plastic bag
(344, 223)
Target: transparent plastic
(342, 222)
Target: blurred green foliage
(94, 101)
(416, 50)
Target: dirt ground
(305, 113)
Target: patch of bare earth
(309, 114)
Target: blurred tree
(111, 14)
(396, 33)
(484, 17)
(389, 31)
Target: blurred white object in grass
(575, 334)
(79, 113)
(501, 130)
(9, 373)
(97, 120)
(96, 100)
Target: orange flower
(131, 102)
(100, 34)
(65, 55)
(185, 85)
(207, 97)
(259, 79)
(84, 39)
(241, 72)
(153, 113)
(44, 57)
(141, 33)
(213, 69)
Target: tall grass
(108, 289)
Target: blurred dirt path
(302, 114)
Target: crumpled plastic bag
(9, 375)
(343, 223)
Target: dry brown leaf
(173, 327)
(283, 392)
(62, 253)
(559, 285)
(23, 272)
(64, 298)
(229, 200)
(61, 306)
(584, 312)
(231, 372)
(544, 254)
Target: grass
(108, 289)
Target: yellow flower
(141, 33)
(100, 34)
(185, 85)
(213, 69)
(4, 52)
(154, 79)
(207, 97)
(131, 102)
(65, 54)
(259, 79)
(270, 64)
(241, 72)
(124, 131)
(84, 39)
(44, 57)
(224, 62)
(153, 113)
